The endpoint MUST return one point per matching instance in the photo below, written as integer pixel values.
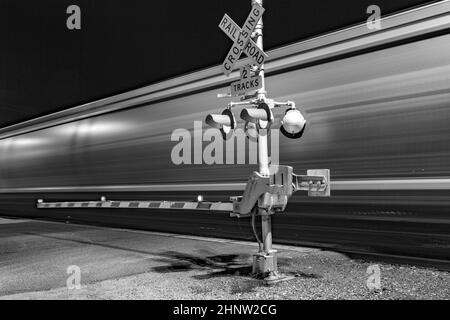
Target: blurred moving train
(378, 107)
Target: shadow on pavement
(219, 265)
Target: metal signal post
(264, 262)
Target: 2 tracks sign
(245, 85)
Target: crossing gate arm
(269, 193)
(172, 205)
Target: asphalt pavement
(51, 260)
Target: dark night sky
(123, 45)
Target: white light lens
(293, 121)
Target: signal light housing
(226, 121)
(261, 116)
(293, 124)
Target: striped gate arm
(173, 205)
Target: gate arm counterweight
(272, 193)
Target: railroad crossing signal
(242, 39)
(268, 190)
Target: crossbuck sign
(242, 39)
